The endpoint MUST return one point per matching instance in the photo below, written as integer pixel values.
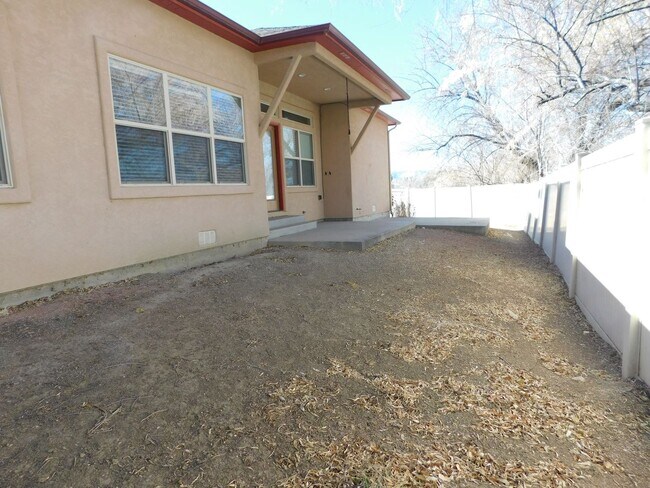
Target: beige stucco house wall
(71, 226)
(337, 173)
(357, 183)
(370, 167)
(65, 213)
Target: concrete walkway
(349, 236)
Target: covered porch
(325, 141)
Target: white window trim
(300, 159)
(5, 150)
(169, 130)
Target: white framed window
(298, 157)
(5, 173)
(175, 131)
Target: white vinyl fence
(592, 220)
(505, 205)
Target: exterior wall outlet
(374, 208)
(207, 237)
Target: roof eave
(325, 34)
(206, 17)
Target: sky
(387, 31)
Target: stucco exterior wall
(68, 225)
(301, 200)
(337, 174)
(370, 166)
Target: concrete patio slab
(348, 236)
(460, 224)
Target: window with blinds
(298, 157)
(170, 130)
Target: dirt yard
(434, 359)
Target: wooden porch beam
(365, 126)
(282, 89)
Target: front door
(271, 170)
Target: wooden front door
(272, 169)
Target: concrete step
(285, 220)
(291, 229)
(468, 225)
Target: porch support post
(282, 89)
(365, 126)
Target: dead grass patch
(529, 315)
(562, 366)
(507, 402)
(284, 259)
(299, 394)
(355, 463)
(515, 403)
(340, 368)
(433, 339)
(401, 395)
(367, 402)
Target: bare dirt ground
(434, 359)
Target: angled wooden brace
(365, 126)
(264, 124)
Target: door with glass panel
(271, 169)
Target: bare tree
(516, 87)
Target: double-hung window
(5, 177)
(298, 157)
(170, 130)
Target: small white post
(631, 354)
(471, 203)
(573, 226)
(542, 230)
(435, 202)
(556, 222)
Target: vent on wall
(264, 107)
(207, 237)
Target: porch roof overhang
(322, 44)
(321, 77)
